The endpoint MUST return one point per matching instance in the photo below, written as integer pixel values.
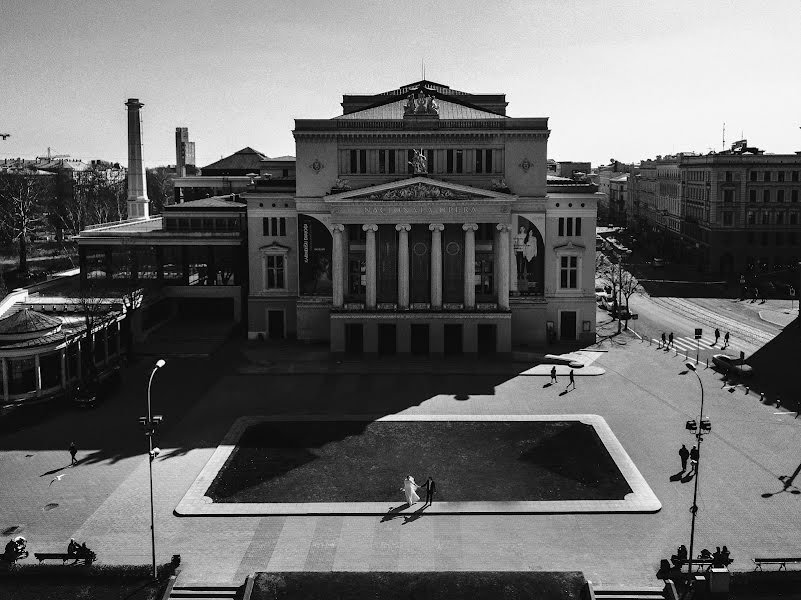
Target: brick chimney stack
(138, 202)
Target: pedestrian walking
(717, 336)
(73, 452)
(726, 340)
(693, 459)
(553, 375)
(664, 341)
(670, 339)
(430, 487)
(684, 454)
(572, 381)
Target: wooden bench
(782, 562)
(699, 562)
(63, 556)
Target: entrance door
(386, 339)
(275, 324)
(419, 339)
(486, 336)
(567, 325)
(453, 338)
(354, 338)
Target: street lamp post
(149, 424)
(703, 426)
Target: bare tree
(160, 187)
(624, 285)
(23, 197)
(94, 306)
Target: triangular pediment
(417, 189)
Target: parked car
(658, 263)
(731, 365)
(602, 292)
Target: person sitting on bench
(72, 547)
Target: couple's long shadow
(395, 512)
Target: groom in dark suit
(430, 487)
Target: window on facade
(275, 272)
(357, 276)
(449, 161)
(409, 162)
(484, 160)
(183, 224)
(752, 195)
(386, 161)
(561, 227)
(198, 263)
(484, 276)
(120, 263)
(569, 227)
(274, 226)
(459, 161)
(356, 233)
(729, 176)
(362, 161)
(728, 218)
(793, 218)
(485, 232)
(751, 218)
(766, 176)
(794, 176)
(781, 175)
(753, 175)
(779, 218)
(794, 196)
(765, 195)
(779, 195)
(353, 162)
(568, 272)
(728, 195)
(224, 266)
(172, 262)
(765, 218)
(146, 262)
(22, 378)
(96, 264)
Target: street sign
(698, 334)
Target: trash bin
(719, 580)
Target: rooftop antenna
(724, 136)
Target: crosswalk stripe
(689, 343)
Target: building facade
(422, 223)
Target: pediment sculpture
(420, 104)
(418, 191)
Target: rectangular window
(728, 218)
(795, 176)
(488, 161)
(561, 226)
(779, 218)
(728, 195)
(479, 161)
(429, 160)
(765, 195)
(569, 227)
(362, 161)
(753, 175)
(765, 218)
(382, 161)
(793, 218)
(353, 164)
(779, 195)
(275, 272)
(274, 226)
(752, 218)
(568, 272)
(449, 161)
(391, 161)
(752, 195)
(409, 162)
(356, 233)
(460, 161)
(729, 176)
(578, 226)
(794, 196)
(766, 176)
(781, 175)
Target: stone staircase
(205, 592)
(639, 593)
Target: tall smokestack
(138, 202)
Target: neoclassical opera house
(422, 222)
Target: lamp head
(688, 364)
(160, 363)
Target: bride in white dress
(409, 489)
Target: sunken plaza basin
(293, 465)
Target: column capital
(337, 227)
(503, 227)
(469, 226)
(402, 227)
(370, 227)
(436, 227)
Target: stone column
(37, 374)
(436, 264)
(469, 264)
(370, 260)
(403, 265)
(503, 266)
(338, 266)
(63, 356)
(4, 362)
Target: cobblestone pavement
(642, 396)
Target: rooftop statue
(421, 104)
(419, 163)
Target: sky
(619, 79)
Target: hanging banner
(314, 244)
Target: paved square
(506, 458)
(642, 396)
